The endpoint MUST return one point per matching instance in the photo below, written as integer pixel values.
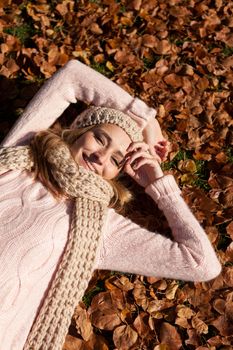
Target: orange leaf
(173, 80)
(95, 28)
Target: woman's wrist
(163, 187)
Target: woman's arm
(129, 248)
(75, 81)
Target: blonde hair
(46, 140)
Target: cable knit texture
(103, 115)
(92, 194)
(34, 226)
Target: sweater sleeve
(75, 81)
(129, 248)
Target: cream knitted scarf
(92, 195)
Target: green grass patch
(227, 51)
(101, 68)
(229, 153)
(181, 155)
(23, 32)
(202, 173)
(150, 63)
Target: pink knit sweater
(34, 226)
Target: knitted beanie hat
(104, 115)
(92, 195)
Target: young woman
(58, 217)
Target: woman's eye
(99, 139)
(115, 161)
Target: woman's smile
(102, 150)
(87, 164)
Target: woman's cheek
(90, 143)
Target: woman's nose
(100, 156)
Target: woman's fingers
(138, 154)
(137, 145)
(162, 149)
(143, 161)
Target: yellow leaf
(187, 178)
(110, 66)
(187, 166)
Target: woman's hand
(141, 165)
(153, 136)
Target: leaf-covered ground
(176, 55)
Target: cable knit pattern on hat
(103, 115)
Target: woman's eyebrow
(109, 139)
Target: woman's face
(102, 150)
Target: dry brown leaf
(10, 68)
(224, 325)
(161, 347)
(161, 285)
(171, 290)
(153, 280)
(163, 47)
(72, 343)
(83, 323)
(230, 229)
(97, 342)
(184, 311)
(219, 305)
(202, 83)
(228, 256)
(118, 299)
(123, 283)
(124, 337)
(228, 276)
(149, 40)
(173, 80)
(141, 324)
(103, 313)
(95, 28)
(199, 325)
(158, 305)
(136, 4)
(169, 336)
(139, 293)
(193, 337)
(62, 8)
(212, 233)
(182, 322)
